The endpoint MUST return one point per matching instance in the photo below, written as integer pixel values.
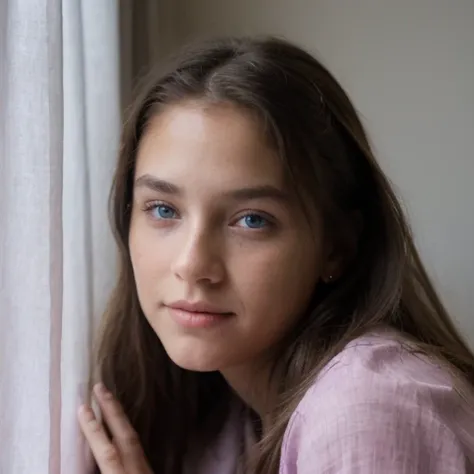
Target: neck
(254, 386)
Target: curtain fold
(59, 135)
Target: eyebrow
(259, 192)
(264, 191)
(156, 184)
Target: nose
(199, 259)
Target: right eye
(160, 211)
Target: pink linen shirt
(377, 408)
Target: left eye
(253, 221)
(161, 211)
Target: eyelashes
(254, 220)
(160, 211)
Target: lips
(199, 307)
(198, 315)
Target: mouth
(198, 315)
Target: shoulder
(379, 407)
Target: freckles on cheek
(265, 276)
(144, 279)
(287, 279)
(144, 263)
(139, 243)
(139, 255)
(151, 257)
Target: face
(223, 256)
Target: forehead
(219, 141)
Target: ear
(334, 267)
(343, 250)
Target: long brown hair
(325, 151)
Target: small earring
(329, 278)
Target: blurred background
(68, 69)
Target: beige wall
(409, 66)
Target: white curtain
(59, 133)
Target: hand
(123, 455)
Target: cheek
(147, 262)
(276, 283)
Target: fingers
(104, 451)
(125, 437)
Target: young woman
(271, 313)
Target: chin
(195, 365)
(196, 359)
(206, 351)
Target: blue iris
(254, 221)
(164, 212)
